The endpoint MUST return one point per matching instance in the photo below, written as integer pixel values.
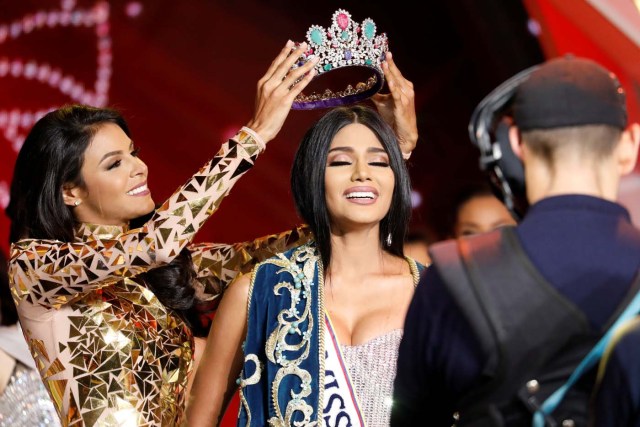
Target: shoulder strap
(624, 329)
(415, 268)
(520, 320)
(631, 293)
(552, 402)
(446, 258)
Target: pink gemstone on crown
(343, 21)
(345, 43)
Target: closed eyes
(345, 163)
(339, 163)
(380, 164)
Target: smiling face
(115, 181)
(359, 181)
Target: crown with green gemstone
(345, 43)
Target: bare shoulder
(398, 266)
(238, 290)
(401, 268)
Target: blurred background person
(477, 210)
(24, 402)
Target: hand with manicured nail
(278, 88)
(398, 107)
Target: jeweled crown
(344, 44)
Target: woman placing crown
(105, 309)
(321, 323)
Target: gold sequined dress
(109, 353)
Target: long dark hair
(307, 178)
(51, 157)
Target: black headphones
(489, 131)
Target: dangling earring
(389, 239)
(77, 203)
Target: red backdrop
(184, 75)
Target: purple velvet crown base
(344, 100)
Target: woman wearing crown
(108, 309)
(311, 335)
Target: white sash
(341, 408)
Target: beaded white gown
(372, 369)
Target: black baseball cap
(570, 91)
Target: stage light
(133, 9)
(4, 194)
(534, 27)
(416, 199)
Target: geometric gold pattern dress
(108, 352)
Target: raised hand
(278, 88)
(398, 107)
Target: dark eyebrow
(350, 149)
(114, 153)
(376, 150)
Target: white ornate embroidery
(289, 344)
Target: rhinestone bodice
(372, 368)
(25, 402)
